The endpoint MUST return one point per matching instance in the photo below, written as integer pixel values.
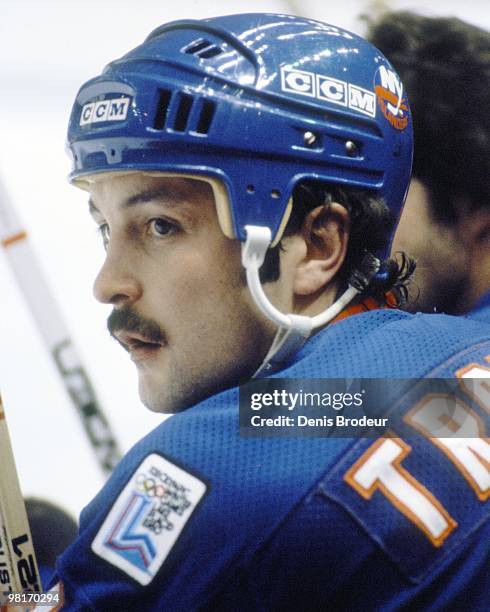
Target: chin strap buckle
(256, 245)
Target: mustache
(126, 319)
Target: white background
(47, 50)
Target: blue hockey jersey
(198, 517)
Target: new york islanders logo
(389, 93)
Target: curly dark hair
(371, 227)
(444, 64)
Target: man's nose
(116, 282)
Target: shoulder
(419, 523)
(189, 499)
(391, 343)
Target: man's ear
(325, 232)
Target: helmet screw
(351, 148)
(309, 138)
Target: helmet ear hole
(250, 189)
(275, 194)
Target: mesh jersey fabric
(278, 528)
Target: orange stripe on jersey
(6, 242)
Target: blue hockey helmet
(260, 102)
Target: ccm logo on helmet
(111, 109)
(323, 87)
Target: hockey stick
(18, 567)
(52, 328)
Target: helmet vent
(162, 109)
(183, 112)
(203, 48)
(206, 117)
(211, 52)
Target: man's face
(181, 306)
(441, 277)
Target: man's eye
(161, 227)
(105, 233)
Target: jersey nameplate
(148, 517)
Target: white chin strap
(293, 329)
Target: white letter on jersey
(379, 468)
(471, 381)
(460, 435)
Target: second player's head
(445, 66)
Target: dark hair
(444, 64)
(371, 226)
(52, 530)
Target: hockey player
(282, 145)
(444, 64)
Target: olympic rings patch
(149, 486)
